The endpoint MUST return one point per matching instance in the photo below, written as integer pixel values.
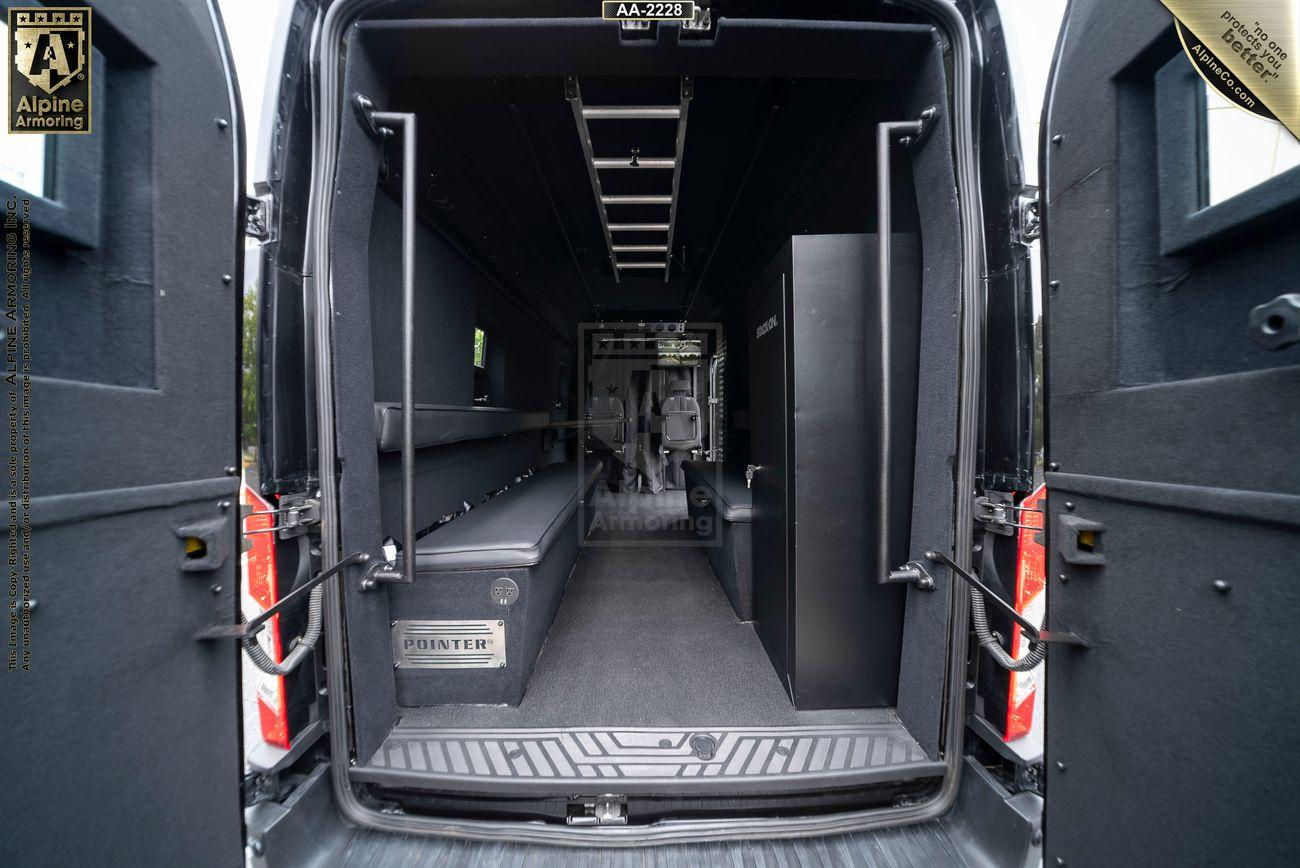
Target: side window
(60, 174)
(23, 157)
(1239, 150)
(481, 394)
(1221, 171)
(480, 349)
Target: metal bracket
(297, 512)
(300, 593)
(365, 109)
(702, 22)
(383, 574)
(911, 573)
(606, 810)
(915, 134)
(1031, 630)
(1029, 224)
(999, 516)
(257, 217)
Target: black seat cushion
(731, 497)
(513, 529)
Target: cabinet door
(769, 337)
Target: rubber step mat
(932, 845)
(648, 760)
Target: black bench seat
(528, 534)
(513, 529)
(721, 509)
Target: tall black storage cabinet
(832, 631)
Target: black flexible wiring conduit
(304, 644)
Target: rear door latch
(606, 810)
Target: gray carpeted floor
(645, 637)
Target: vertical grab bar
(386, 123)
(907, 134)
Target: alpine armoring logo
(1245, 50)
(49, 70)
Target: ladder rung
(642, 265)
(638, 227)
(640, 248)
(642, 163)
(644, 112)
(637, 200)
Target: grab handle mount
(908, 134)
(382, 125)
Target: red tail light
(261, 591)
(1031, 601)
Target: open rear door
(121, 729)
(1173, 424)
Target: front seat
(682, 431)
(681, 419)
(606, 429)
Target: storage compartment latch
(606, 810)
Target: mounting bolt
(226, 278)
(1053, 284)
(1060, 766)
(1054, 465)
(223, 505)
(1069, 504)
(232, 470)
(1057, 139)
(216, 589)
(221, 123)
(1222, 586)
(1063, 577)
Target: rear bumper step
(653, 760)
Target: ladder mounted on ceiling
(595, 165)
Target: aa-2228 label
(618, 10)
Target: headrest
(679, 386)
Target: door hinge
(257, 217)
(995, 512)
(606, 810)
(1029, 225)
(296, 511)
